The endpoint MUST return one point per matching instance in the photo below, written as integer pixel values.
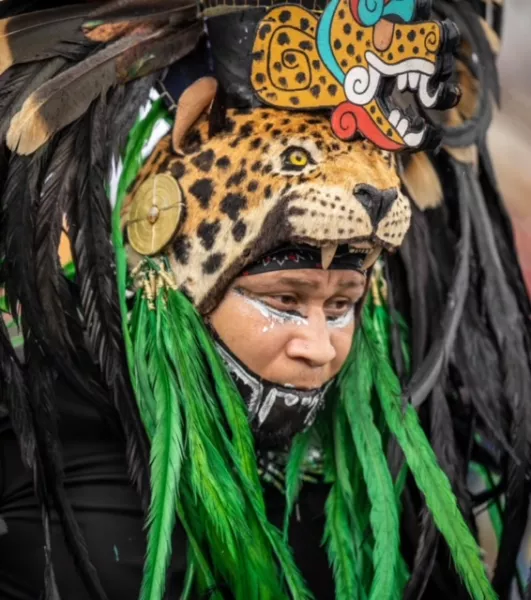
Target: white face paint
(342, 321)
(272, 314)
(275, 316)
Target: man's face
(292, 327)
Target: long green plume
(430, 479)
(356, 393)
(347, 544)
(167, 446)
(341, 546)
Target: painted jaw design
(352, 62)
(387, 69)
(414, 75)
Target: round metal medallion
(154, 215)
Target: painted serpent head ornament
(349, 60)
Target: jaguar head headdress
(299, 144)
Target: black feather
(26, 266)
(414, 254)
(124, 106)
(508, 329)
(19, 201)
(504, 234)
(64, 330)
(425, 558)
(57, 187)
(41, 35)
(51, 591)
(14, 395)
(477, 367)
(89, 216)
(18, 83)
(454, 465)
(427, 374)
(42, 393)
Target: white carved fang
(415, 139)
(402, 127)
(413, 79)
(428, 100)
(327, 255)
(402, 82)
(394, 117)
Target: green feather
(166, 463)
(356, 386)
(429, 478)
(143, 329)
(340, 546)
(138, 137)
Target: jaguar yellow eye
(295, 158)
(298, 159)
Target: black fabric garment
(109, 513)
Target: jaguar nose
(376, 202)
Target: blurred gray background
(510, 138)
(510, 143)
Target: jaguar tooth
(394, 117)
(402, 127)
(327, 255)
(413, 80)
(402, 81)
(361, 249)
(413, 140)
(372, 257)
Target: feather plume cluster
(72, 79)
(458, 281)
(106, 46)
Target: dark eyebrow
(306, 283)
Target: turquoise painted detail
(324, 41)
(371, 11)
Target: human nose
(312, 343)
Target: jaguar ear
(194, 101)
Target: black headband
(306, 257)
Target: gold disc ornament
(154, 214)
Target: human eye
(339, 307)
(284, 302)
